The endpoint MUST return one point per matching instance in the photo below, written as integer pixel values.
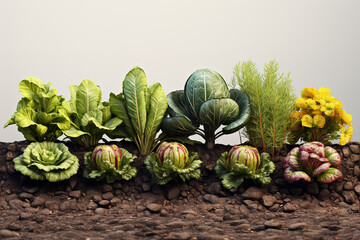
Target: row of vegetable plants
(261, 106)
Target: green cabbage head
(171, 162)
(47, 160)
(244, 162)
(109, 163)
(206, 100)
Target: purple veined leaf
(304, 157)
(314, 156)
(292, 176)
(330, 175)
(294, 152)
(333, 156)
(320, 151)
(294, 163)
(310, 146)
(323, 167)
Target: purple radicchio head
(312, 160)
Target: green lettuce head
(172, 161)
(109, 162)
(244, 162)
(47, 160)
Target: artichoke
(243, 162)
(312, 160)
(47, 160)
(109, 162)
(172, 161)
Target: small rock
(24, 216)
(107, 188)
(214, 188)
(348, 186)
(146, 187)
(177, 224)
(4, 233)
(31, 190)
(97, 198)
(312, 188)
(115, 201)
(357, 171)
(355, 157)
(72, 182)
(117, 185)
(68, 206)
(173, 192)
(10, 156)
(91, 206)
(280, 182)
(108, 196)
(75, 194)
(18, 204)
(100, 211)
(268, 200)
(14, 227)
(297, 226)
(252, 193)
(104, 203)
(214, 199)
(179, 235)
(12, 147)
(346, 152)
(275, 207)
(350, 196)
(25, 195)
(38, 202)
(164, 212)
(338, 186)
(355, 148)
(273, 189)
(324, 194)
(289, 208)
(273, 224)
(357, 189)
(154, 207)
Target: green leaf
(31, 87)
(73, 90)
(88, 97)
(118, 108)
(158, 107)
(202, 85)
(178, 126)
(244, 111)
(134, 88)
(231, 180)
(215, 112)
(74, 133)
(25, 117)
(330, 175)
(176, 103)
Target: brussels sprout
(172, 161)
(243, 162)
(109, 162)
(47, 160)
(176, 152)
(312, 160)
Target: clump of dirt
(199, 209)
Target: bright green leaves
(90, 118)
(141, 108)
(47, 160)
(205, 100)
(39, 114)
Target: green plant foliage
(109, 163)
(47, 160)
(234, 169)
(141, 108)
(205, 101)
(172, 162)
(90, 118)
(39, 113)
(272, 100)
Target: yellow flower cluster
(317, 109)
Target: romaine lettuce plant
(90, 118)
(206, 100)
(312, 160)
(141, 108)
(109, 162)
(244, 162)
(47, 160)
(172, 161)
(38, 114)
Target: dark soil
(200, 209)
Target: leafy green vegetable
(205, 101)
(272, 101)
(171, 162)
(244, 162)
(90, 118)
(109, 162)
(141, 108)
(312, 160)
(39, 113)
(47, 160)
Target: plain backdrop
(66, 41)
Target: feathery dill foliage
(272, 100)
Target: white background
(70, 40)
